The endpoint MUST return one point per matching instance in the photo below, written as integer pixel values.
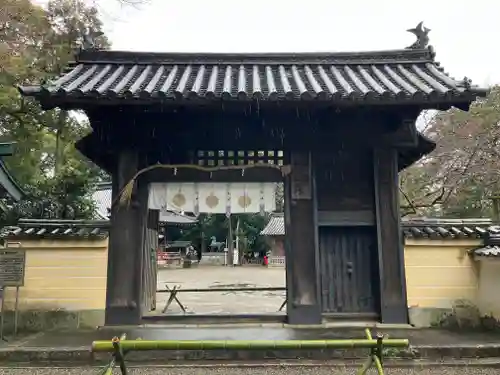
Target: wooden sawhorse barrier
(177, 289)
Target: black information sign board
(12, 267)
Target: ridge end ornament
(88, 39)
(422, 34)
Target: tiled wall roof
(275, 226)
(418, 228)
(102, 200)
(490, 248)
(488, 251)
(57, 229)
(449, 228)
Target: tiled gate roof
(394, 76)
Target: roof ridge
(62, 223)
(139, 57)
(437, 222)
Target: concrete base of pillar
(304, 315)
(122, 316)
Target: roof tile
(488, 251)
(57, 229)
(386, 75)
(275, 226)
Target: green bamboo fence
(120, 347)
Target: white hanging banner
(245, 198)
(252, 197)
(212, 198)
(173, 197)
(216, 198)
(180, 197)
(268, 196)
(157, 198)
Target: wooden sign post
(12, 266)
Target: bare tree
(462, 173)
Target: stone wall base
(43, 320)
(426, 317)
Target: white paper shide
(216, 198)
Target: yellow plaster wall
(71, 275)
(439, 272)
(488, 300)
(63, 274)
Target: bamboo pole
(119, 352)
(145, 345)
(108, 369)
(375, 357)
(366, 366)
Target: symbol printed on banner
(179, 200)
(212, 201)
(244, 201)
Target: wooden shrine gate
(344, 121)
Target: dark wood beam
(150, 271)
(71, 103)
(393, 300)
(125, 249)
(193, 175)
(301, 248)
(405, 135)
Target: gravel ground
(207, 277)
(256, 371)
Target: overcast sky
(465, 34)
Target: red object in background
(266, 261)
(162, 256)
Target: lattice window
(221, 158)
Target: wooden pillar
(301, 243)
(150, 267)
(125, 249)
(393, 303)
